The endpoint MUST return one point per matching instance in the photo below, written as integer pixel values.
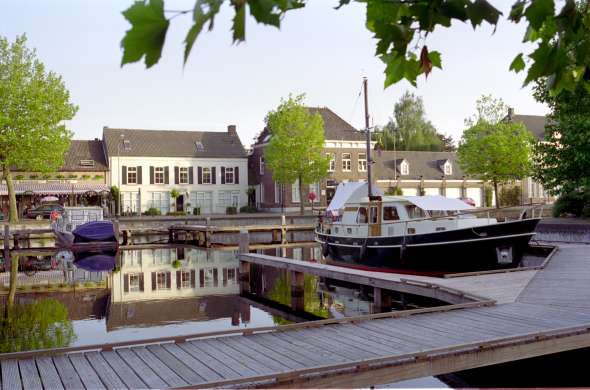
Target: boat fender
(363, 250)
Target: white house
(208, 169)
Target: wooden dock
(551, 313)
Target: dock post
(244, 245)
(381, 300)
(116, 229)
(297, 291)
(208, 233)
(283, 229)
(6, 240)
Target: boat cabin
(354, 214)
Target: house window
(134, 283)
(332, 166)
(278, 193)
(185, 279)
(295, 192)
(183, 175)
(362, 162)
(448, 168)
(346, 162)
(405, 168)
(131, 175)
(161, 256)
(206, 175)
(262, 165)
(203, 200)
(160, 201)
(161, 281)
(130, 202)
(229, 176)
(159, 175)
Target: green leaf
(204, 11)
(147, 34)
(517, 11)
(239, 23)
(481, 10)
(435, 59)
(538, 11)
(264, 12)
(517, 64)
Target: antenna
(368, 134)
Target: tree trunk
(13, 214)
(301, 200)
(13, 282)
(496, 194)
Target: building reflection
(171, 285)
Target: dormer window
(86, 163)
(262, 165)
(199, 146)
(126, 145)
(404, 168)
(448, 168)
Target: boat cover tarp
(438, 202)
(95, 231)
(95, 262)
(351, 192)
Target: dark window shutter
(215, 277)
(153, 281)
(193, 277)
(190, 175)
(176, 174)
(141, 281)
(224, 277)
(222, 175)
(237, 175)
(126, 283)
(178, 276)
(139, 175)
(166, 175)
(213, 175)
(201, 278)
(199, 175)
(151, 175)
(168, 280)
(124, 174)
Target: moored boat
(421, 233)
(95, 231)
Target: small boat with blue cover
(95, 231)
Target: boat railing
(529, 211)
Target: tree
(410, 130)
(33, 105)
(295, 150)
(562, 161)
(495, 150)
(400, 29)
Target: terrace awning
(50, 188)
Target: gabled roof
(534, 123)
(335, 128)
(425, 165)
(173, 143)
(85, 150)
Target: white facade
(148, 182)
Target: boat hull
(484, 247)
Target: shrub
(33, 177)
(394, 191)
(488, 193)
(60, 176)
(152, 211)
(98, 177)
(510, 196)
(176, 264)
(575, 202)
(19, 177)
(85, 177)
(248, 209)
(62, 285)
(46, 176)
(197, 211)
(36, 287)
(231, 210)
(176, 213)
(72, 176)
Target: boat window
(373, 214)
(438, 213)
(415, 212)
(390, 213)
(361, 217)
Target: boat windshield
(390, 213)
(415, 212)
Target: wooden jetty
(549, 313)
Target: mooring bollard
(297, 291)
(381, 300)
(244, 248)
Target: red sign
(311, 196)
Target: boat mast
(368, 134)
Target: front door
(180, 203)
(375, 218)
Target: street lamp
(119, 141)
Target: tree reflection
(40, 324)
(313, 302)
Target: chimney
(510, 113)
(231, 129)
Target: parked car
(44, 211)
(469, 201)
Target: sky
(319, 51)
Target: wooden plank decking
(551, 314)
